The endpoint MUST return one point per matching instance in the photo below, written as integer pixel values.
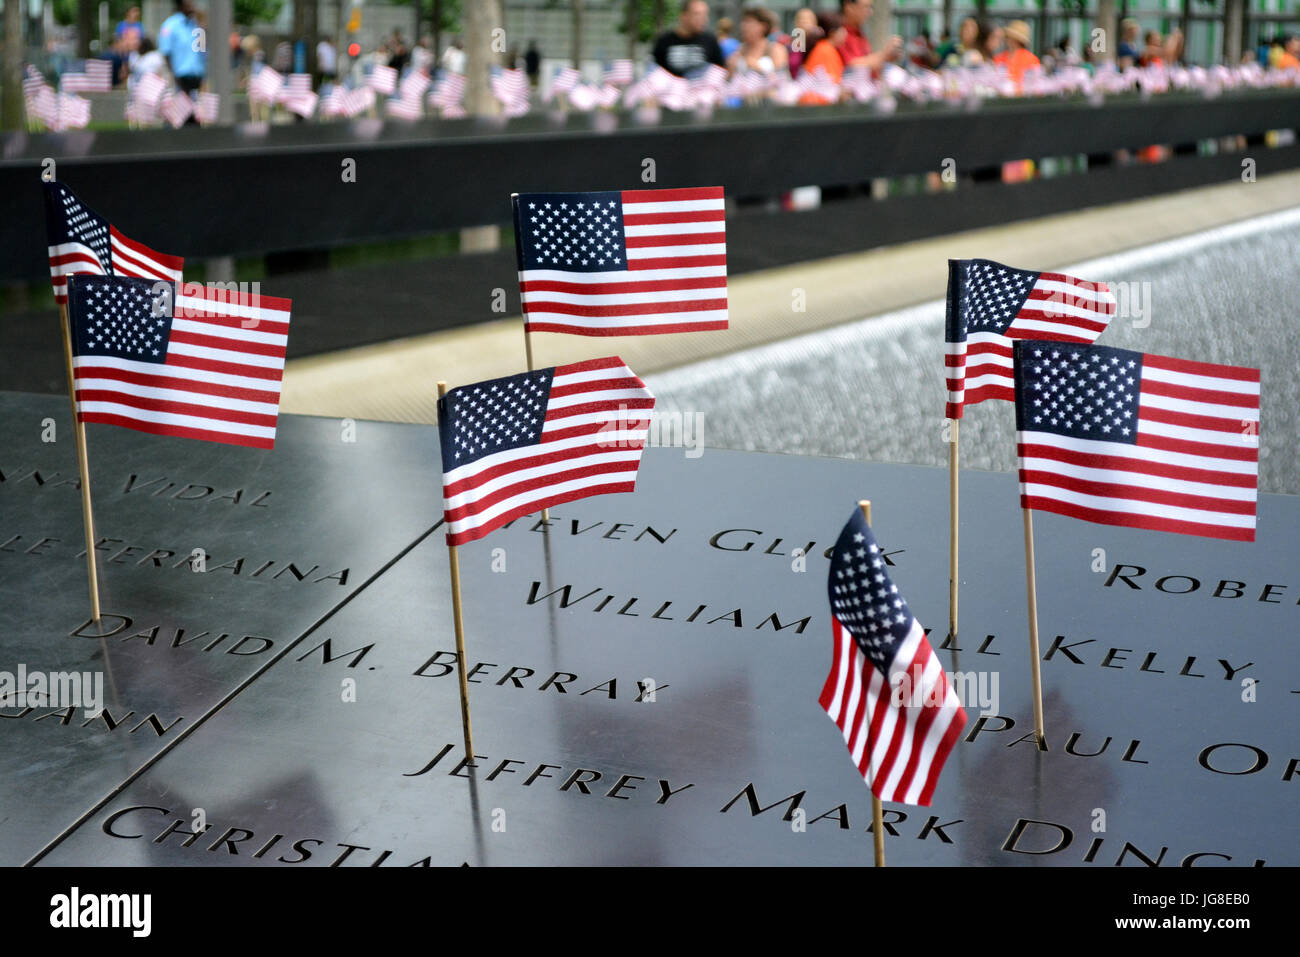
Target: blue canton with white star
(68, 220)
(573, 232)
(492, 416)
(990, 295)
(862, 596)
(1085, 392)
(119, 316)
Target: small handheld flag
(83, 242)
(635, 262)
(886, 691)
(511, 446)
(186, 361)
(1144, 441)
(990, 304)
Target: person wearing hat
(1019, 57)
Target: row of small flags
(1107, 435)
(50, 108)
(149, 99)
(405, 98)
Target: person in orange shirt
(826, 55)
(1290, 58)
(1019, 58)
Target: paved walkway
(396, 381)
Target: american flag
(146, 96)
(296, 96)
(82, 241)
(341, 101)
(990, 304)
(510, 87)
(566, 78)
(177, 108)
(265, 85)
(515, 445)
(1125, 438)
(584, 98)
(619, 73)
(74, 112)
(186, 360)
(382, 79)
(407, 104)
(450, 91)
(43, 106)
(634, 262)
(97, 78)
(208, 107)
(886, 691)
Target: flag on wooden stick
(635, 262)
(887, 691)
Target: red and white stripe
(898, 749)
(566, 78)
(1059, 308)
(597, 418)
(221, 380)
(97, 78)
(74, 112)
(265, 85)
(145, 98)
(619, 73)
(1194, 469)
(130, 258)
(511, 88)
(675, 280)
(450, 91)
(382, 79)
(208, 107)
(177, 108)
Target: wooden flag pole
(953, 502)
(459, 622)
(79, 434)
(877, 812)
(528, 336)
(1031, 588)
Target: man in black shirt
(685, 48)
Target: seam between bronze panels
(229, 697)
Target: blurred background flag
(514, 445)
(82, 241)
(887, 691)
(177, 108)
(187, 361)
(619, 73)
(207, 108)
(510, 87)
(97, 77)
(265, 85)
(635, 262)
(566, 78)
(990, 304)
(1126, 438)
(382, 79)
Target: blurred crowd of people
(825, 57)
(834, 40)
